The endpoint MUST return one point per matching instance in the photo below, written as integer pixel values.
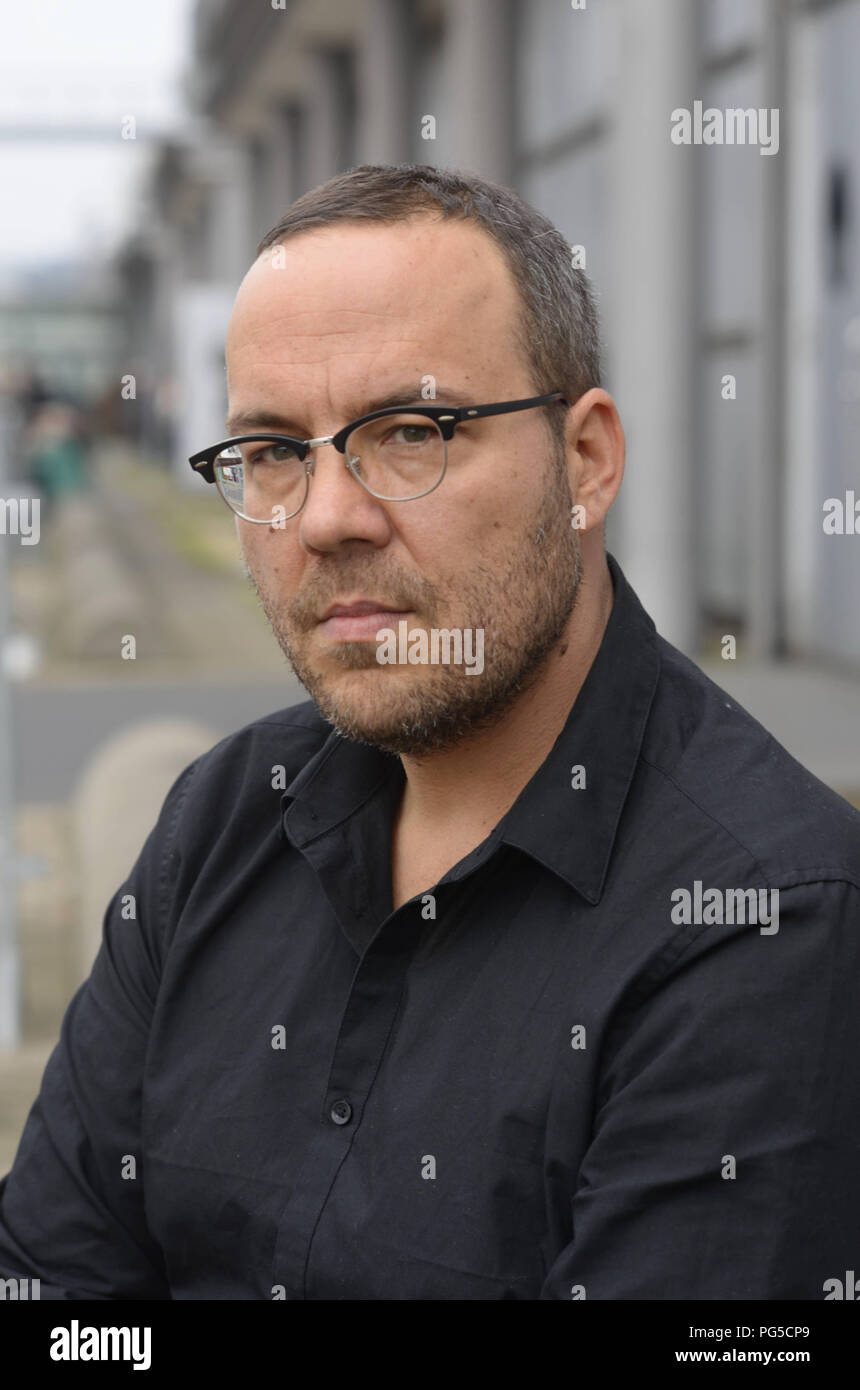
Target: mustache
(389, 584)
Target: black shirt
(552, 1076)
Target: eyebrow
(263, 419)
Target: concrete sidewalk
(137, 555)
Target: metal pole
(765, 631)
(10, 996)
(651, 295)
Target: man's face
(344, 317)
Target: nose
(338, 509)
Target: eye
(271, 454)
(411, 434)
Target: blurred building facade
(45, 316)
(728, 277)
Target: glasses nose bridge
(320, 442)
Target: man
(529, 976)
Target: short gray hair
(559, 333)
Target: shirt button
(341, 1112)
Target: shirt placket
(363, 1033)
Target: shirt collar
(569, 830)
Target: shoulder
(727, 775)
(289, 737)
(236, 786)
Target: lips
(358, 610)
(359, 622)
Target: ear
(595, 451)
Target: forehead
(428, 295)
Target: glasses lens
(261, 479)
(397, 457)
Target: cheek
(269, 554)
(485, 517)
(494, 496)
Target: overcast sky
(67, 63)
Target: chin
(363, 694)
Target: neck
(472, 785)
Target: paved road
(57, 729)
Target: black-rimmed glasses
(397, 454)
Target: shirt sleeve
(725, 1158)
(72, 1207)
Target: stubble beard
(523, 610)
